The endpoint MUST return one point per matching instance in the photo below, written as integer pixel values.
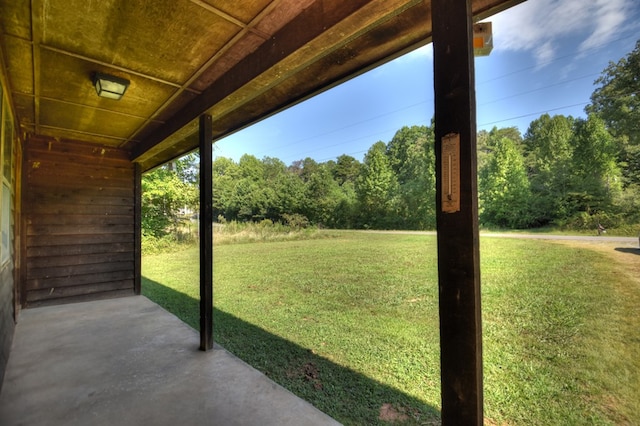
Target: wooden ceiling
(240, 61)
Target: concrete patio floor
(127, 361)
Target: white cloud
(539, 26)
(612, 17)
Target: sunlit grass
(561, 328)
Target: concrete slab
(129, 362)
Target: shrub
(296, 221)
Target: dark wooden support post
(137, 232)
(457, 217)
(206, 233)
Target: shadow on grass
(628, 250)
(346, 395)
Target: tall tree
(279, 190)
(376, 187)
(346, 169)
(597, 177)
(412, 158)
(549, 154)
(488, 140)
(504, 187)
(617, 101)
(322, 195)
(225, 177)
(251, 195)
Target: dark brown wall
(79, 222)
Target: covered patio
(129, 362)
(96, 93)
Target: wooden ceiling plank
(80, 132)
(36, 22)
(208, 64)
(220, 13)
(308, 25)
(115, 67)
(60, 133)
(95, 108)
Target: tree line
(563, 171)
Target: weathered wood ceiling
(238, 60)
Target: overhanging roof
(239, 61)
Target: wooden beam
(206, 233)
(457, 213)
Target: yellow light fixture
(109, 86)
(482, 39)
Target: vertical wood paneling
(79, 218)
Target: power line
(570, 55)
(385, 114)
(346, 127)
(540, 88)
(533, 113)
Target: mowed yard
(349, 322)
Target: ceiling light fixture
(109, 86)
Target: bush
(152, 245)
(296, 221)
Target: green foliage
(504, 187)
(296, 220)
(265, 231)
(548, 152)
(322, 195)
(627, 204)
(565, 172)
(375, 188)
(596, 173)
(616, 101)
(486, 141)
(167, 243)
(572, 167)
(411, 155)
(347, 169)
(164, 193)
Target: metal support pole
(206, 233)
(457, 213)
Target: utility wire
(385, 114)
(533, 113)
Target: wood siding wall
(79, 222)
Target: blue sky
(546, 56)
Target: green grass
(350, 323)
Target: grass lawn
(350, 323)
